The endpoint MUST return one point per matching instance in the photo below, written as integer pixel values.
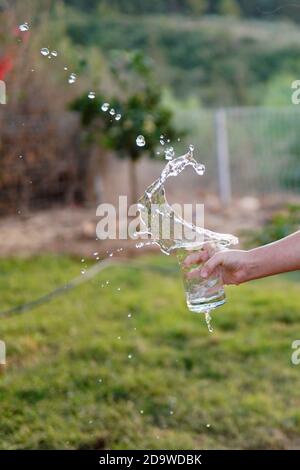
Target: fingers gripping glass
(202, 294)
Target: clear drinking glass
(202, 295)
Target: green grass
(70, 384)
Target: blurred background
(119, 362)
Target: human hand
(232, 265)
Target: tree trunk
(133, 183)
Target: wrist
(253, 265)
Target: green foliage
(278, 226)
(220, 64)
(69, 383)
(271, 9)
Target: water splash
(152, 220)
(92, 95)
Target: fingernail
(204, 273)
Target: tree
(139, 102)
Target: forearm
(278, 257)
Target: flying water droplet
(54, 53)
(105, 107)
(169, 153)
(129, 356)
(118, 117)
(208, 321)
(45, 51)
(24, 27)
(112, 112)
(191, 148)
(91, 95)
(72, 78)
(140, 141)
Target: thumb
(211, 265)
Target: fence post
(223, 157)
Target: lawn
(127, 366)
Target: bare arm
(278, 257)
(238, 266)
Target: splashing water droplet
(92, 95)
(118, 117)
(140, 245)
(112, 112)
(65, 68)
(54, 53)
(169, 153)
(82, 271)
(72, 78)
(45, 51)
(105, 107)
(129, 315)
(162, 142)
(191, 148)
(208, 425)
(24, 27)
(140, 141)
(208, 321)
(129, 356)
